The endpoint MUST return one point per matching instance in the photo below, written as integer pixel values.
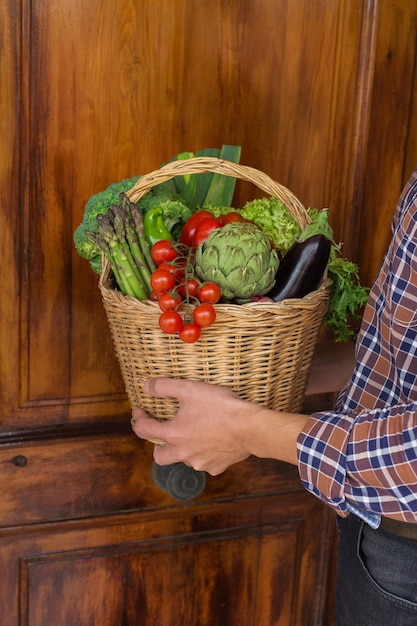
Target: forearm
(367, 460)
(337, 454)
(274, 435)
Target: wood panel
(411, 132)
(321, 96)
(232, 563)
(83, 476)
(389, 158)
(109, 92)
(10, 203)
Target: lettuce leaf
(271, 215)
(348, 297)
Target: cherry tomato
(209, 293)
(188, 230)
(170, 322)
(189, 333)
(179, 270)
(192, 287)
(163, 250)
(162, 280)
(232, 216)
(204, 315)
(169, 267)
(204, 228)
(175, 267)
(168, 301)
(154, 296)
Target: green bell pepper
(154, 226)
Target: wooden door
(95, 542)
(321, 96)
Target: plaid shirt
(362, 456)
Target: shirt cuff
(321, 448)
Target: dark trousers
(377, 577)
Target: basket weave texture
(260, 350)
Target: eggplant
(301, 268)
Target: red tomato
(154, 296)
(179, 270)
(168, 301)
(163, 250)
(188, 230)
(209, 293)
(162, 280)
(170, 322)
(204, 315)
(232, 216)
(176, 268)
(189, 333)
(192, 287)
(204, 228)
(169, 267)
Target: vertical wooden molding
(411, 143)
(25, 177)
(12, 104)
(380, 174)
(366, 68)
(349, 118)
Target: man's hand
(214, 428)
(208, 431)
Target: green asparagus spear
(126, 233)
(137, 221)
(104, 247)
(122, 258)
(144, 244)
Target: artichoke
(240, 258)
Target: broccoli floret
(157, 195)
(174, 214)
(97, 204)
(173, 209)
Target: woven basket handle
(201, 165)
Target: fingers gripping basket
(260, 350)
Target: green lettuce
(271, 215)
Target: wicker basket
(260, 350)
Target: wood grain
(322, 97)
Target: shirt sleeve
(363, 462)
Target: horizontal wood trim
(78, 477)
